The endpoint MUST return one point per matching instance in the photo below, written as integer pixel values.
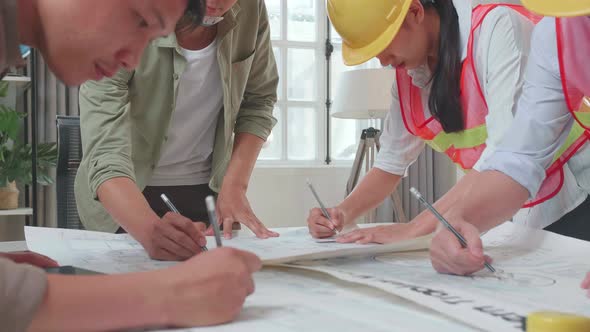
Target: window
(299, 33)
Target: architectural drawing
(537, 271)
(502, 278)
(295, 301)
(114, 253)
(531, 277)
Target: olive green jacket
(125, 119)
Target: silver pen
(460, 237)
(210, 202)
(322, 207)
(173, 208)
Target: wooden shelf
(17, 212)
(22, 82)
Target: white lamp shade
(364, 93)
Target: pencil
(460, 237)
(210, 202)
(173, 208)
(322, 207)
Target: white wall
(280, 197)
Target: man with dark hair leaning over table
(79, 39)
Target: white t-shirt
(186, 154)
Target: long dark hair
(444, 100)
(193, 15)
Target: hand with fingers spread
(586, 284)
(448, 256)
(384, 234)
(174, 238)
(320, 227)
(29, 257)
(233, 207)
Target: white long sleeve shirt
(500, 54)
(501, 51)
(541, 126)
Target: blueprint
(120, 253)
(96, 251)
(290, 301)
(537, 270)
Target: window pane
(344, 139)
(337, 67)
(301, 25)
(301, 74)
(302, 133)
(334, 35)
(277, 52)
(273, 8)
(272, 148)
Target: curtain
(53, 98)
(433, 174)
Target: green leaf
(4, 88)
(9, 123)
(17, 163)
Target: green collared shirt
(125, 119)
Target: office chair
(69, 151)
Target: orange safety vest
(573, 48)
(465, 147)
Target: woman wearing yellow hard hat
(459, 75)
(556, 80)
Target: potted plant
(16, 157)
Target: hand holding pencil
(458, 249)
(174, 237)
(324, 222)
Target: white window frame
(319, 104)
(322, 118)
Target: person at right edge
(459, 76)
(557, 79)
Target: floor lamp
(365, 94)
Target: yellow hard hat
(559, 8)
(366, 27)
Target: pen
(322, 207)
(445, 223)
(173, 208)
(210, 202)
